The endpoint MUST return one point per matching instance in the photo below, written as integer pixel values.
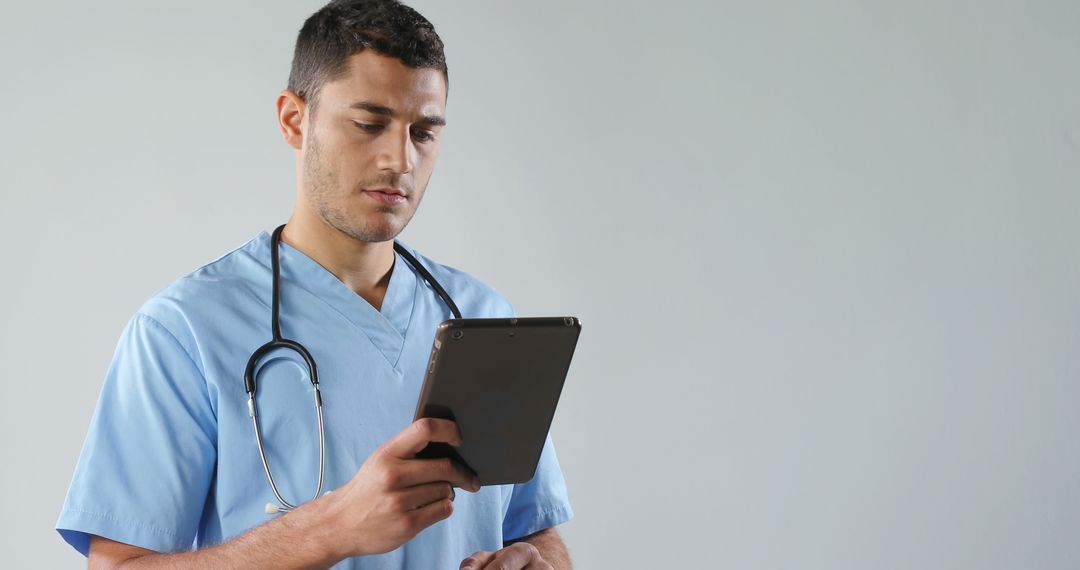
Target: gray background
(825, 253)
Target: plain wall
(825, 253)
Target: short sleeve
(540, 503)
(146, 465)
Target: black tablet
(500, 380)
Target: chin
(368, 225)
(374, 232)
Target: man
(170, 474)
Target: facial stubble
(330, 203)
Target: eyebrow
(377, 109)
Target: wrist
(321, 521)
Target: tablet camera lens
(568, 321)
(456, 335)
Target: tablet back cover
(500, 380)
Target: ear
(292, 115)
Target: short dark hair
(344, 28)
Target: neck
(364, 267)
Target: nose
(396, 152)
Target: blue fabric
(170, 460)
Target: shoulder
(210, 293)
(474, 297)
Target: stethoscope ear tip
(271, 509)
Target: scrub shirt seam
(235, 251)
(357, 327)
(177, 341)
(412, 312)
(124, 523)
(202, 375)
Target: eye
(368, 127)
(423, 135)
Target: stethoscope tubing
(279, 342)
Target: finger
(430, 514)
(477, 560)
(513, 557)
(422, 471)
(423, 495)
(419, 434)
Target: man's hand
(394, 496)
(514, 557)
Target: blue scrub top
(170, 460)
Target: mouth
(386, 195)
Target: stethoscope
(280, 342)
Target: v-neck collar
(386, 328)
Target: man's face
(371, 146)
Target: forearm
(300, 539)
(551, 547)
